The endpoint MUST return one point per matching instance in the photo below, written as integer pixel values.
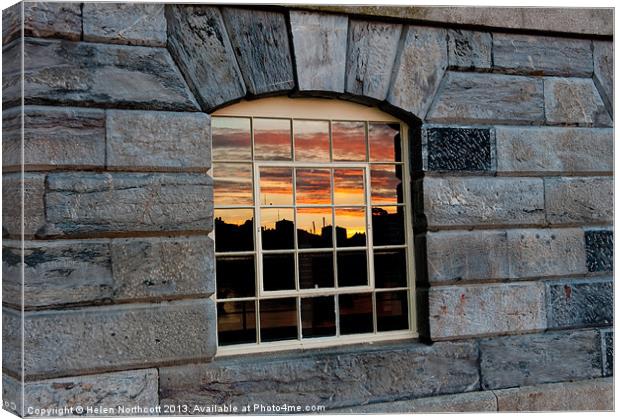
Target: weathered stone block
(12, 394)
(574, 101)
(599, 250)
(128, 23)
(12, 19)
(260, 41)
(320, 43)
(603, 52)
(607, 351)
(33, 189)
(468, 149)
(513, 361)
(579, 200)
(489, 98)
(469, 49)
(458, 311)
(580, 303)
(175, 140)
(43, 20)
(554, 150)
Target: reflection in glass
(278, 272)
(392, 311)
(231, 138)
(350, 227)
(349, 187)
(272, 139)
(316, 270)
(384, 142)
(313, 187)
(386, 184)
(278, 319)
(311, 140)
(234, 230)
(276, 186)
(236, 322)
(388, 226)
(390, 268)
(349, 141)
(314, 228)
(277, 228)
(235, 276)
(318, 317)
(232, 184)
(355, 313)
(352, 268)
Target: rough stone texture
(451, 201)
(43, 20)
(458, 311)
(142, 139)
(370, 57)
(33, 191)
(604, 71)
(129, 23)
(458, 149)
(489, 98)
(198, 41)
(554, 150)
(607, 351)
(113, 337)
(418, 70)
(574, 101)
(469, 49)
(89, 203)
(12, 395)
(333, 378)
(579, 200)
(53, 138)
(260, 41)
(513, 361)
(542, 55)
(320, 43)
(580, 303)
(599, 250)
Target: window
(312, 235)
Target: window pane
(392, 311)
(388, 226)
(313, 187)
(277, 228)
(355, 313)
(234, 230)
(276, 186)
(352, 269)
(384, 142)
(386, 184)
(350, 227)
(231, 138)
(349, 187)
(349, 141)
(272, 139)
(314, 228)
(311, 140)
(316, 270)
(318, 317)
(278, 319)
(232, 184)
(390, 268)
(279, 272)
(235, 276)
(236, 322)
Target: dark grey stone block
(607, 350)
(599, 250)
(579, 303)
(469, 49)
(459, 149)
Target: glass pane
(384, 142)
(349, 187)
(231, 138)
(316, 270)
(388, 226)
(314, 228)
(232, 184)
(277, 228)
(355, 313)
(279, 272)
(350, 227)
(278, 319)
(311, 140)
(235, 276)
(234, 230)
(349, 141)
(236, 322)
(318, 317)
(276, 186)
(352, 269)
(392, 311)
(386, 184)
(313, 187)
(390, 268)
(272, 139)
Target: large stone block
(469, 49)
(170, 140)
(43, 20)
(607, 351)
(320, 43)
(90, 203)
(579, 200)
(474, 310)
(603, 52)
(32, 190)
(574, 101)
(554, 150)
(599, 250)
(513, 361)
(448, 148)
(580, 303)
(489, 98)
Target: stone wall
(512, 158)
